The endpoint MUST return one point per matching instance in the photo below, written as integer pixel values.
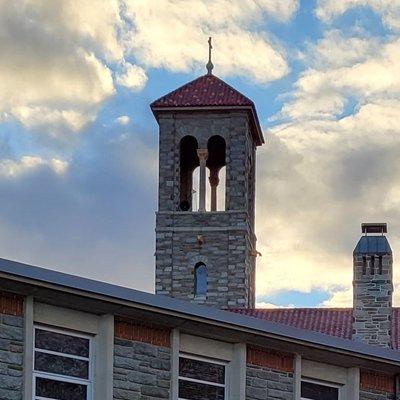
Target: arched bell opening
(216, 160)
(188, 162)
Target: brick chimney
(372, 286)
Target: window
(201, 379)
(320, 381)
(313, 390)
(62, 365)
(200, 279)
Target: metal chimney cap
(374, 228)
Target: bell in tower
(205, 253)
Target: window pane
(60, 390)
(200, 391)
(200, 280)
(314, 391)
(201, 370)
(61, 343)
(61, 365)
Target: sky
(78, 143)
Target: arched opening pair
(191, 189)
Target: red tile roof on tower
(209, 91)
(330, 321)
(206, 91)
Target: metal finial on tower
(209, 65)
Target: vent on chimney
(374, 228)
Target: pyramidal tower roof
(207, 90)
(209, 93)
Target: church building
(199, 337)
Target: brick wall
(142, 361)
(376, 386)
(269, 375)
(11, 347)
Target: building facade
(199, 338)
(65, 337)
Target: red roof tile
(330, 321)
(208, 91)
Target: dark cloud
(96, 220)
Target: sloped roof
(373, 245)
(205, 91)
(330, 321)
(209, 91)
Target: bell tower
(205, 241)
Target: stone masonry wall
(229, 240)
(11, 347)
(372, 394)
(372, 305)
(269, 375)
(142, 362)
(225, 250)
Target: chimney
(372, 286)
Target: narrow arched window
(200, 279)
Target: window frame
(58, 377)
(208, 360)
(322, 383)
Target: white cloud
(50, 74)
(59, 59)
(335, 50)
(184, 47)
(122, 120)
(317, 181)
(321, 173)
(132, 77)
(14, 168)
(368, 74)
(35, 117)
(389, 10)
(263, 304)
(340, 298)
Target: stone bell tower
(204, 254)
(373, 286)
